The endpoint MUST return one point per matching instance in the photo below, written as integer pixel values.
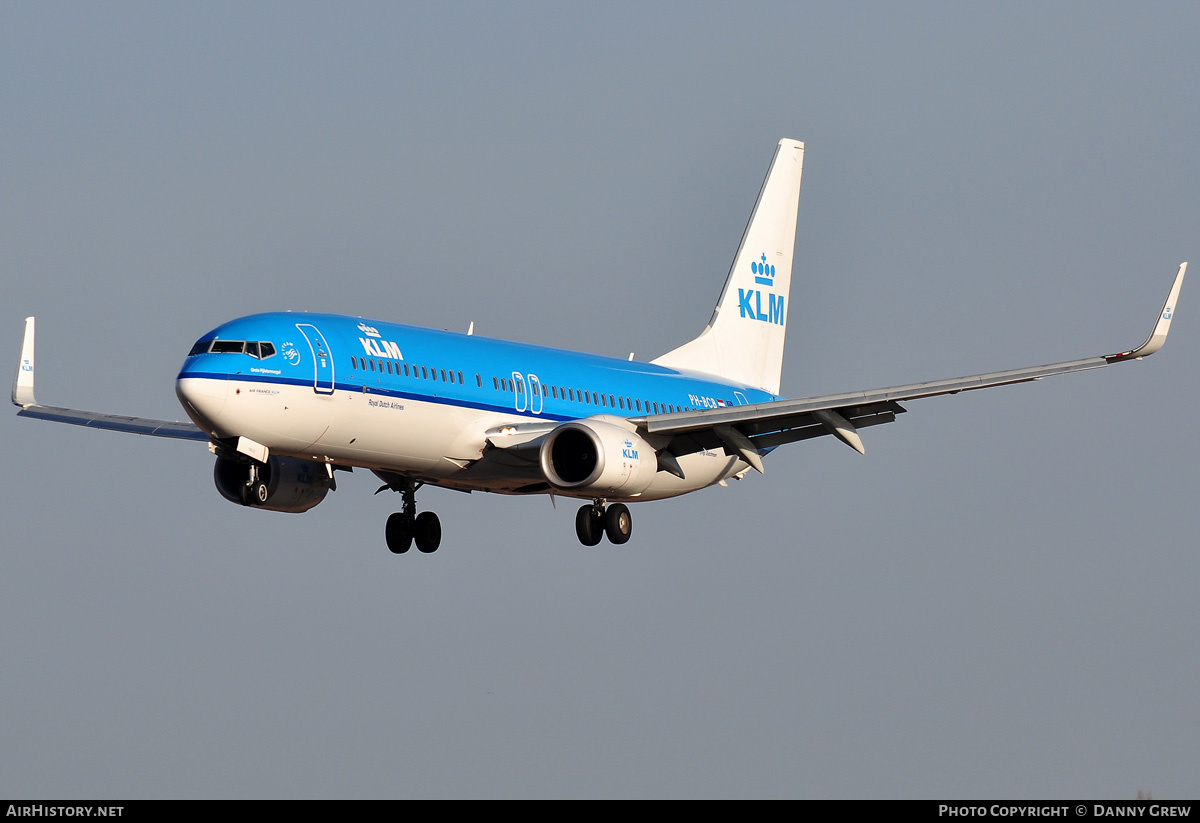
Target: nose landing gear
(254, 492)
(594, 521)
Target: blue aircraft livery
(288, 401)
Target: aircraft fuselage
(420, 402)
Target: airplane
(285, 400)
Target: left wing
(22, 395)
(749, 430)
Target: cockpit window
(253, 348)
(228, 346)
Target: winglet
(1159, 336)
(22, 390)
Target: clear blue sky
(998, 600)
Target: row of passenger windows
(584, 396)
(507, 384)
(261, 350)
(423, 372)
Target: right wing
(748, 431)
(22, 395)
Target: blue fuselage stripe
(354, 346)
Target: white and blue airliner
(286, 400)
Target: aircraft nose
(203, 399)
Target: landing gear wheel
(253, 493)
(399, 532)
(428, 531)
(589, 525)
(618, 524)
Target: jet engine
(293, 485)
(598, 458)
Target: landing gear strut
(594, 522)
(406, 525)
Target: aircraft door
(518, 384)
(322, 358)
(528, 393)
(536, 394)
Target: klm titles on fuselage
(750, 302)
(376, 346)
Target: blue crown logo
(763, 273)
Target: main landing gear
(594, 521)
(406, 525)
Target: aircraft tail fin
(744, 339)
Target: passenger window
(443, 375)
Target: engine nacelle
(294, 485)
(598, 458)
